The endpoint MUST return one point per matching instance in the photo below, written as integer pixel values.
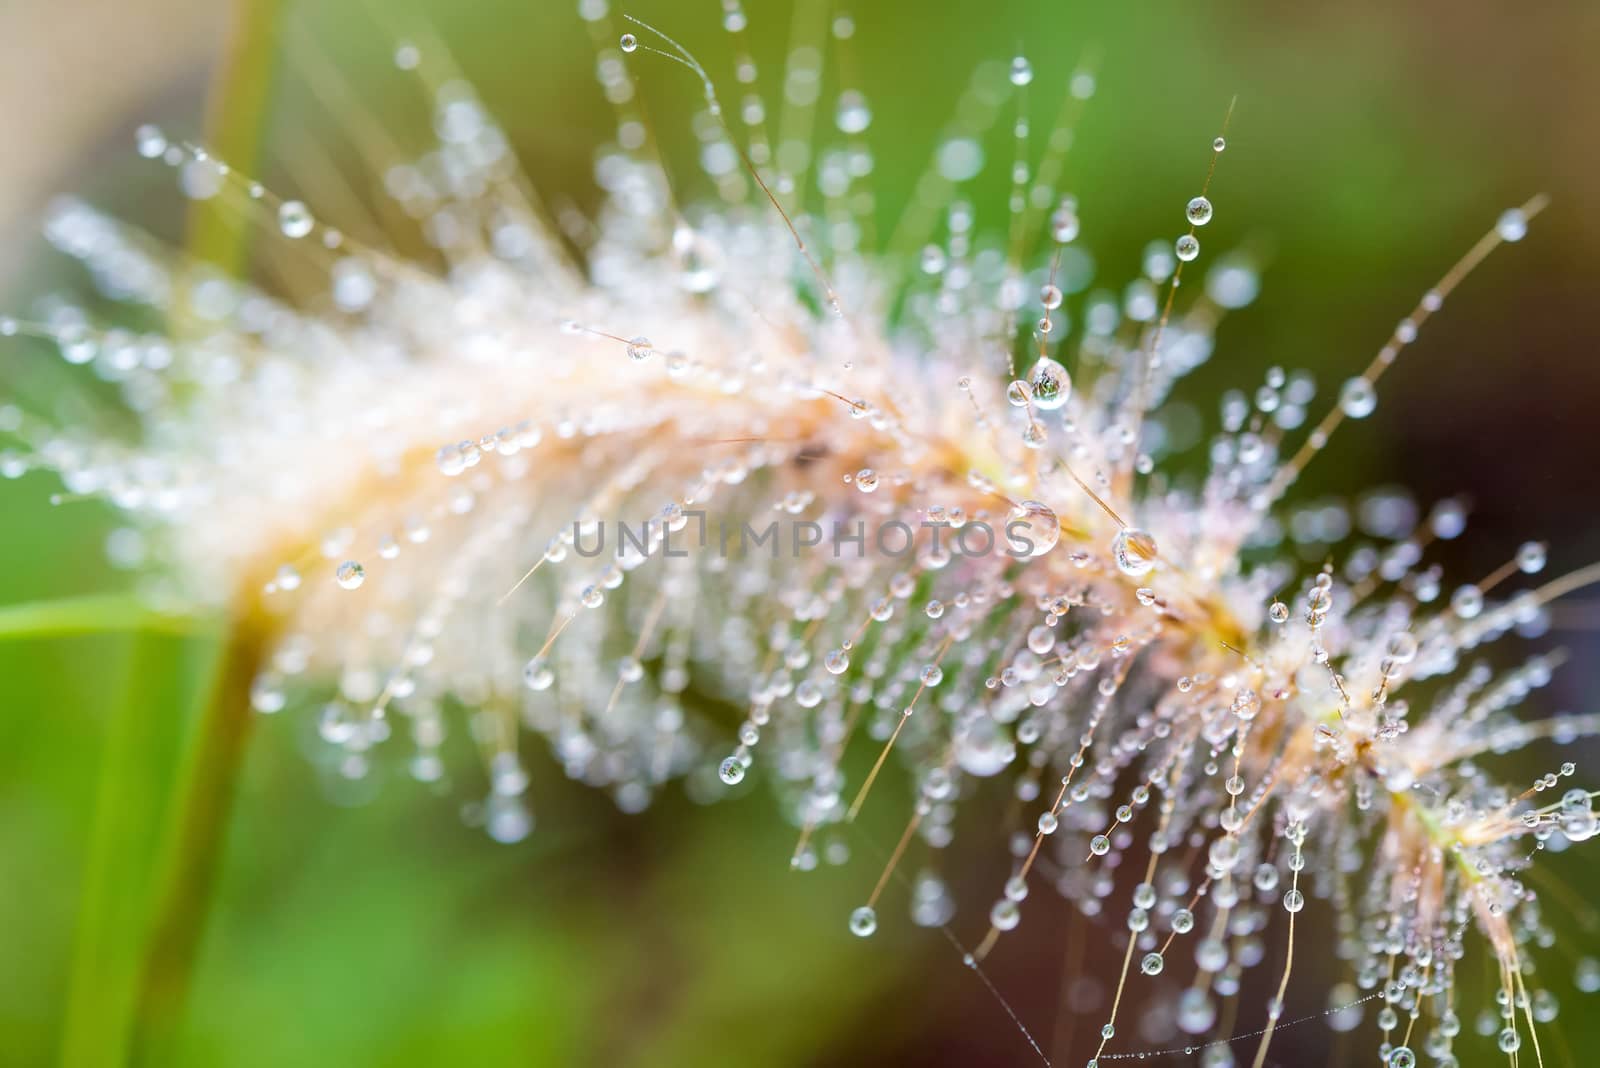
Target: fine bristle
(897, 501)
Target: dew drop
(1134, 551)
(1186, 247)
(350, 574)
(1032, 529)
(1467, 601)
(294, 219)
(1199, 211)
(629, 42)
(959, 159)
(150, 141)
(852, 114)
(863, 922)
(201, 178)
(1050, 384)
(1512, 225)
(731, 771)
(1357, 398)
(536, 674)
(1021, 71)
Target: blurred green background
(1372, 143)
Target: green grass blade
(106, 942)
(94, 614)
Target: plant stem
(235, 123)
(191, 853)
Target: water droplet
(1032, 528)
(1152, 964)
(150, 141)
(1021, 71)
(629, 42)
(1246, 703)
(350, 574)
(536, 674)
(1218, 145)
(1467, 601)
(1099, 845)
(1294, 900)
(852, 114)
(1199, 211)
(1512, 225)
(1134, 551)
(639, 348)
(863, 921)
(1278, 612)
(731, 771)
(1064, 225)
(201, 178)
(1186, 247)
(1357, 398)
(1050, 384)
(959, 159)
(294, 219)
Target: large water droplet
(1050, 384)
(1134, 551)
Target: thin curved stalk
(193, 844)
